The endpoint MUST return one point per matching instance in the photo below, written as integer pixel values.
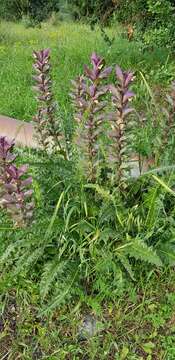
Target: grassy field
(71, 46)
(134, 320)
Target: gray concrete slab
(21, 131)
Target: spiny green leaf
(60, 297)
(125, 262)
(28, 259)
(7, 253)
(140, 251)
(51, 271)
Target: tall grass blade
(49, 230)
(164, 185)
(150, 92)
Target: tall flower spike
(15, 195)
(88, 98)
(48, 128)
(121, 95)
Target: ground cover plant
(96, 251)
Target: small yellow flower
(32, 42)
(53, 35)
(2, 49)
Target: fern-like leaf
(127, 266)
(60, 296)
(52, 270)
(8, 253)
(28, 259)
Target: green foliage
(140, 251)
(92, 247)
(28, 22)
(161, 9)
(148, 309)
(159, 36)
(36, 9)
(42, 9)
(13, 9)
(153, 20)
(131, 11)
(83, 249)
(94, 12)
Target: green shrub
(36, 9)
(153, 19)
(131, 10)
(160, 9)
(13, 10)
(159, 36)
(28, 22)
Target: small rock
(88, 328)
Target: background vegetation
(153, 21)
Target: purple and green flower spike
(120, 123)
(47, 127)
(15, 192)
(88, 97)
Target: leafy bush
(161, 10)
(154, 19)
(156, 36)
(29, 22)
(131, 11)
(34, 9)
(13, 10)
(42, 9)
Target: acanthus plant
(120, 125)
(15, 194)
(48, 128)
(88, 97)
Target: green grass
(71, 46)
(136, 319)
(139, 326)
